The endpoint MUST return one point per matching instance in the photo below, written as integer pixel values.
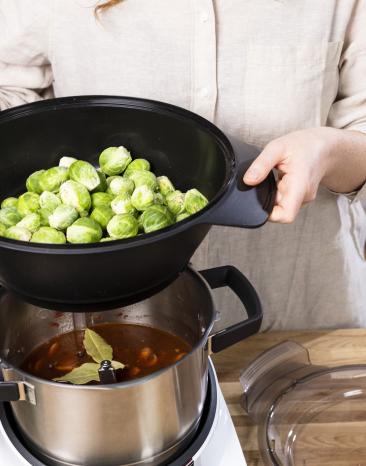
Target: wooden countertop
(333, 348)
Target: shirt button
(204, 17)
(204, 92)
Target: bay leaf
(117, 365)
(87, 372)
(96, 347)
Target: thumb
(263, 164)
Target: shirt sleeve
(349, 109)
(25, 70)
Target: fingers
(263, 164)
(289, 199)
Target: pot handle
(244, 206)
(230, 276)
(9, 391)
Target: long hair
(104, 6)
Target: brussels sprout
(101, 200)
(28, 203)
(44, 216)
(66, 161)
(48, 235)
(31, 222)
(2, 229)
(108, 238)
(114, 160)
(159, 199)
(52, 179)
(62, 217)
(122, 204)
(19, 233)
(143, 177)
(9, 216)
(155, 218)
(75, 194)
(102, 215)
(48, 200)
(194, 201)
(142, 198)
(84, 230)
(122, 226)
(102, 186)
(119, 185)
(175, 202)
(10, 202)
(33, 182)
(137, 164)
(182, 216)
(85, 174)
(165, 185)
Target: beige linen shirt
(258, 69)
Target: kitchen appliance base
(215, 444)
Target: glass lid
(307, 415)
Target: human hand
(301, 159)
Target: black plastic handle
(244, 206)
(230, 276)
(9, 391)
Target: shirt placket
(204, 80)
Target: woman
(288, 76)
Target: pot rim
(121, 385)
(132, 103)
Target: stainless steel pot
(139, 422)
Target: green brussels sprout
(44, 216)
(142, 198)
(102, 186)
(84, 230)
(62, 217)
(194, 201)
(31, 222)
(9, 216)
(66, 161)
(175, 202)
(85, 174)
(122, 204)
(156, 217)
(28, 203)
(48, 200)
(33, 182)
(137, 164)
(75, 194)
(143, 177)
(159, 199)
(122, 226)
(182, 216)
(102, 215)
(118, 185)
(114, 160)
(48, 235)
(19, 233)
(101, 200)
(2, 229)
(10, 202)
(52, 179)
(165, 185)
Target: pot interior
(184, 309)
(181, 145)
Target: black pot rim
(199, 345)
(85, 101)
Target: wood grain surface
(330, 348)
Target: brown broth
(142, 349)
